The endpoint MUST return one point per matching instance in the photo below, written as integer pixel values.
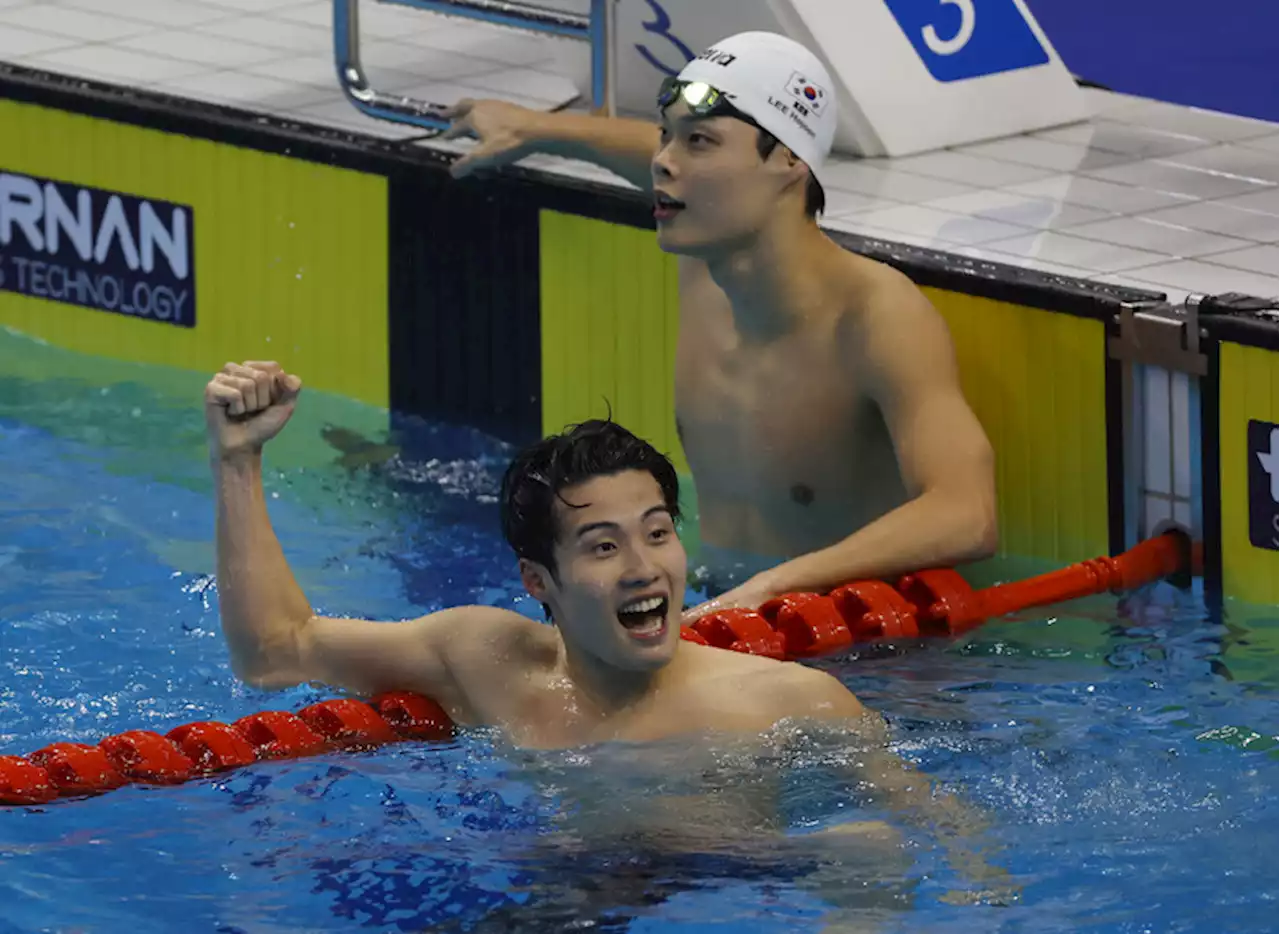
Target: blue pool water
(1123, 750)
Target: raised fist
(246, 405)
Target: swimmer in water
(591, 516)
(817, 395)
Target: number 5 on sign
(968, 19)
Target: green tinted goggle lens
(700, 98)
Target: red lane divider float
(930, 603)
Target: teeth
(642, 606)
(648, 627)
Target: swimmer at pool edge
(591, 516)
(817, 394)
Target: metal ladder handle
(598, 28)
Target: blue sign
(100, 249)
(962, 39)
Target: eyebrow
(596, 526)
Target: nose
(660, 166)
(640, 569)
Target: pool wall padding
(290, 256)
(522, 303)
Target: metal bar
(355, 84)
(604, 78)
(598, 29)
(510, 13)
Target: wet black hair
(537, 475)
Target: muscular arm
(623, 146)
(508, 133)
(277, 641)
(947, 464)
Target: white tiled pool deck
(1147, 194)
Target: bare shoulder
(487, 631)
(807, 693)
(879, 296)
(782, 689)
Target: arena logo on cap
(810, 97)
(98, 249)
(716, 57)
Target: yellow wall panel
(290, 256)
(1036, 380)
(610, 304)
(1247, 390)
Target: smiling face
(713, 191)
(619, 579)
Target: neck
(608, 690)
(769, 278)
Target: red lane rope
(931, 603)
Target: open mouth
(645, 618)
(665, 207)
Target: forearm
(624, 147)
(262, 607)
(936, 529)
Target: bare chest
(784, 424)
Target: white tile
(1040, 265)
(198, 47)
(249, 91)
(16, 43)
(276, 34)
(121, 65)
(1156, 236)
(506, 46)
(1207, 278)
(1190, 121)
(153, 12)
(448, 92)
(1269, 144)
(938, 225)
(1045, 153)
(76, 24)
(388, 21)
(1102, 101)
(1216, 217)
(423, 63)
(321, 15)
(261, 6)
(304, 69)
(881, 180)
(1023, 210)
(970, 170)
(850, 202)
(525, 82)
(1160, 175)
(1137, 141)
(1075, 251)
(1266, 201)
(1264, 260)
(853, 223)
(1231, 159)
(1093, 193)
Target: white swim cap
(778, 83)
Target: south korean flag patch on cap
(811, 97)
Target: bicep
(916, 383)
(368, 657)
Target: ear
(537, 580)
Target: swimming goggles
(701, 98)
